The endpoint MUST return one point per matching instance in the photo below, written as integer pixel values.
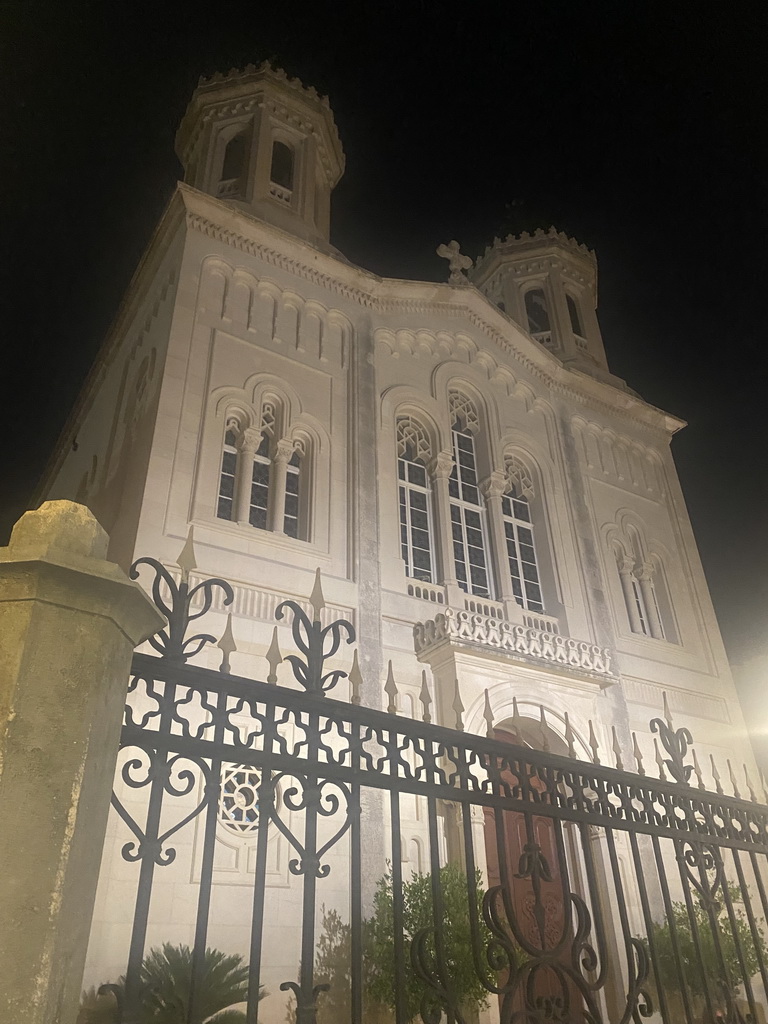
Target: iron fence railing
(373, 867)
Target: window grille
(414, 501)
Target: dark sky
(639, 128)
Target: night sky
(638, 128)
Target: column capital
(284, 450)
(626, 565)
(644, 571)
(494, 485)
(441, 467)
(250, 441)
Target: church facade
(495, 511)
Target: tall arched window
(281, 171)
(413, 451)
(225, 504)
(258, 511)
(467, 512)
(518, 531)
(291, 516)
(537, 312)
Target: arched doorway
(528, 876)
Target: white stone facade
(240, 315)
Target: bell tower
(547, 283)
(262, 141)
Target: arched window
(258, 510)
(518, 531)
(467, 512)
(260, 480)
(645, 594)
(281, 171)
(414, 500)
(291, 516)
(537, 312)
(225, 504)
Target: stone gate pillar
(69, 621)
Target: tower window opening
(281, 172)
(575, 318)
(537, 312)
(234, 158)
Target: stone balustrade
(466, 627)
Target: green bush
(165, 982)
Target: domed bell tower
(547, 283)
(261, 141)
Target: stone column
(283, 455)
(440, 470)
(69, 621)
(246, 449)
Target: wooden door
(538, 903)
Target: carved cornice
(546, 368)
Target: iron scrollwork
(171, 642)
(310, 638)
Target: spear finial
(186, 560)
(637, 754)
(544, 730)
(659, 760)
(716, 775)
(355, 680)
(750, 787)
(736, 792)
(593, 743)
(697, 770)
(517, 720)
(458, 707)
(425, 698)
(488, 716)
(316, 598)
(390, 688)
(274, 657)
(569, 737)
(616, 746)
(763, 785)
(227, 645)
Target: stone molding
(465, 627)
(383, 304)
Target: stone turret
(547, 283)
(264, 142)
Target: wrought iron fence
(550, 888)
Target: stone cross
(457, 262)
